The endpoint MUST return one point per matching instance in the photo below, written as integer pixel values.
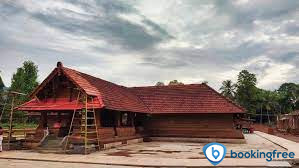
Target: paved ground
(288, 136)
(158, 154)
(5, 163)
(186, 150)
(291, 146)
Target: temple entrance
(58, 123)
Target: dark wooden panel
(200, 125)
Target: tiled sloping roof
(84, 81)
(194, 98)
(114, 96)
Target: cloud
(145, 41)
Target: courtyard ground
(288, 136)
(6, 163)
(163, 154)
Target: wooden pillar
(117, 119)
(116, 122)
(44, 119)
(98, 118)
(134, 118)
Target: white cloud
(270, 73)
(145, 41)
(276, 74)
(47, 6)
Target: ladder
(84, 121)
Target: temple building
(83, 110)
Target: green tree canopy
(289, 96)
(160, 84)
(1, 95)
(264, 103)
(24, 80)
(246, 90)
(1, 84)
(228, 89)
(175, 82)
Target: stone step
(51, 143)
(54, 142)
(49, 148)
(55, 151)
(54, 138)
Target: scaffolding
(85, 120)
(11, 113)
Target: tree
(175, 82)
(1, 84)
(269, 102)
(24, 81)
(289, 96)
(1, 96)
(160, 84)
(246, 90)
(264, 103)
(228, 89)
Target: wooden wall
(192, 125)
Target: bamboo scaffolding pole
(71, 125)
(85, 137)
(10, 121)
(96, 124)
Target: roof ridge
(64, 69)
(94, 77)
(182, 85)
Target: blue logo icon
(214, 152)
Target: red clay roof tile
(194, 98)
(114, 96)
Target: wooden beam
(17, 93)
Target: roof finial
(59, 64)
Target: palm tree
(1, 84)
(228, 89)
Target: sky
(141, 42)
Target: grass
(19, 125)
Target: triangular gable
(44, 83)
(74, 77)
